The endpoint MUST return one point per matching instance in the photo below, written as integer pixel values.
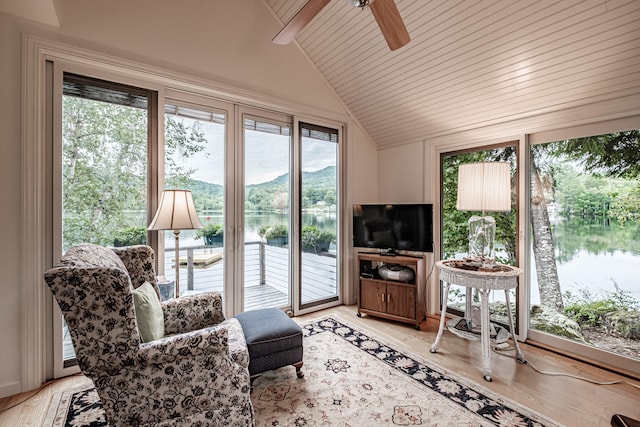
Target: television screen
(407, 227)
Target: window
(585, 250)
(455, 228)
(195, 160)
(319, 214)
(104, 168)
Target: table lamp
(484, 186)
(176, 212)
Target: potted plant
(130, 236)
(316, 240)
(277, 235)
(213, 234)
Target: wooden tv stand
(392, 299)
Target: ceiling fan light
(358, 3)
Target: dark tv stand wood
(390, 299)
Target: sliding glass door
(265, 187)
(291, 205)
(267, 212)
(319, 151)
(195, 152)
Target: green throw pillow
(148, 313)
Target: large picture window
(455, 229)
(585, 252)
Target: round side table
(504, 279)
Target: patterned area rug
(351, 379)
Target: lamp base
(482, 239)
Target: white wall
(402, 174)
(228, 43)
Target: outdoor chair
(197, 374)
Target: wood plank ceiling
(472, 63)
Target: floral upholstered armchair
(197, 375)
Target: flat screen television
(406, 227)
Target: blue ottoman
(273, 339)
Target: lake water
(597, 273)
(595, 256)
(591, 256)
(253, 220)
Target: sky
(266, 155)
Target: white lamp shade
(484, 186)
(176, 212)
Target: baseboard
(9, 389)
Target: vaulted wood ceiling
(472, 63)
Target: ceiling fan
(385, 13)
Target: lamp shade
(176, 212)
(484, 186)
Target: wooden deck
(264, 266)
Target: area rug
(351, 379)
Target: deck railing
(263, 265)
(266, 277)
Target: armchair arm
(185, 346)
(192, 312)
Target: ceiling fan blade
(390, 22)
(305, 15)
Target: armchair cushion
(149, 315)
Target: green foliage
(278, 230)
(455, 229)
(589, 310)
(610, 188)
(104, 170)
(313, 238)
(104, 167)
(587, 195)
(130, 236)
(626, 207)
(614, 154)
(183, 139)
(207, 197)
(262, 230)
(209, 230)
(318, 186)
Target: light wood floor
(566, 400)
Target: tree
(542, 239)
(184, 140)
(616, 154)
(104, 167)
(330, 197)
(455, 238)
(613, 154)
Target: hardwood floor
(566, 400)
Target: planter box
(317, 248)
(278, 241)
(214, 240)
